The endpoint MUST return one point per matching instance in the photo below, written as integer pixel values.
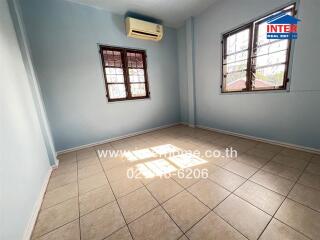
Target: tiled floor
(267, 192)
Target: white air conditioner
(144, 30)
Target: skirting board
(36, 208)
(116, 138)
(264, 140)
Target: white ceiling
(171, 12)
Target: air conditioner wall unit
(143, 30)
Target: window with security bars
(125, 72)
(251, 62)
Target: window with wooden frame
(125, 72)
(251, 62)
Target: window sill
(128, 100)
(256, 92)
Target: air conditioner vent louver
(143, 30)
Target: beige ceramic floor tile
(221, 161)
(241, 169)
(301, 218)
(67, 157)
(86, 153)
(56, 216)
(316, 158)
(185, 210)
(297, 154)
(224, 140)
(269, 147)
(314, 167)
(91, 183)
(101, 222)
(251, 160)
(125, 186)
(60, 194)
(277, 230)
(109, 163)
(306, 196)
(310, 179)
(163, 189)
(70, 168)
(273, 182)
(89, 171)
(122, 234)
(155, 225)
(94, 199)
(262, 153)
(290, 161)
(185, 181)
(69, 231)
(88, 162)
(103, 147)
(247, 219)
(119, 173)
(213, 227)
(208, 192)
(136, 204)
(282, 170)
(227, 179)
(260, 197)
(183, 238)
(243, 145)
(61, 180)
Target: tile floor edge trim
(264, 140)
(37, 206)
(117, 138)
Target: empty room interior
(160, 120)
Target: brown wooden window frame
(252, 47)
(125, 69)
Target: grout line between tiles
(286, 197)
(185, 188)
(166, 211)
(232, 192)
(78, 195)
(115, 197)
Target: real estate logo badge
(282, 26)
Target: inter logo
(282, 26)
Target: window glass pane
(237, 57)
(269, 59)
(262, 32)
(236, 61)
(112, 58)
(117, 91)
(138, 89)
(273, 47)
(262, 35)
(135, 60)
(136, 75)
(236, 66)
(236, 81)
(123, 76)
(238, 41)
(269, 77)
(114, 75)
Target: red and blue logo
(282, 26)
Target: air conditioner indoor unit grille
(143, 30)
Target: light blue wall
(183, 77)
(186, 72)
(63, 38)
(292, 117)
(24, 161)
(15, 10)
